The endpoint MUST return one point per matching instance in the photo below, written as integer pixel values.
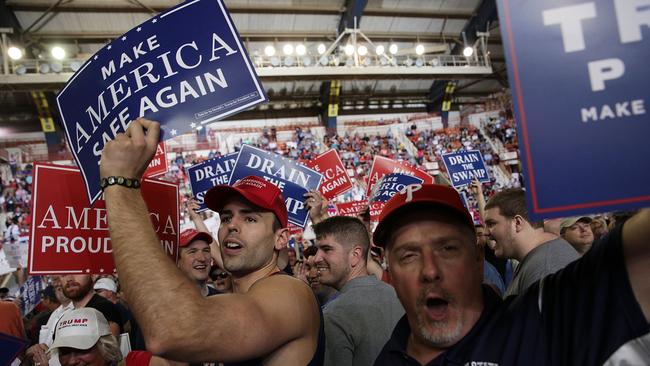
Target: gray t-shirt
(359, 321)
(544, 260)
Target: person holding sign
(595, 311)
(269, 319)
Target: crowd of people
(430, 284)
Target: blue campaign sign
(391, 184)
(292, 178)
(579, 76)
(208, 174)
(11, 347)
(464, 166)
(184, 68)
(30, 293)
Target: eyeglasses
(222, 275)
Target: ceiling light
(58, 52)
(301, 50)
(269, 50)
(321, 49)
(419, 49)
(468, 51)
(288, 49)
(393, 49)
(323, 60)
(349, 49)
(57, 67)
(44, 68)
(15, 53)
(363, 50)
(379, 50)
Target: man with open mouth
(595, 311)
(195, 259)
(270, 318)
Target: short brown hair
(512, 202)
(347, 231)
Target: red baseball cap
(253, 189)
(418, 194)
(190, 235)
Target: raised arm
(636, 251)
(317, 206)
(226, 327)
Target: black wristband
(120, 181)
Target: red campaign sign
(335, 177)
(382, 166)
(158, 164)
(375, 210)
(354, 208)
(295, 230)
(68, 236)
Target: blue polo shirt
(581, 315)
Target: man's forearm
(142, 265)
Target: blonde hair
(108, 346)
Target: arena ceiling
(82, 27)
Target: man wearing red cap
(594, 311)
(269, 319)
(195, 259)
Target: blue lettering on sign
(208, 174)
(465, 166)
(181, 79)
(579, 78)
(293, 179)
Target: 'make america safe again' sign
(184, 68)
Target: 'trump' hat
(256, 191)
(189, 235)
(432, 194)
(80, 329)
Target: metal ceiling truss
(477, 25)
(246, 9)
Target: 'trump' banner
(464, 166)
(293, 179)
(382, 166)
(69, 236)
(208, 174)
(184, 68)
(158, 164)
(386, 188)
(335, 178)
(579, 77)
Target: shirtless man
(269, 319)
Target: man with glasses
(221, 280)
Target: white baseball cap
(80, 329)
(105, 283)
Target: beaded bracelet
(120, 181)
